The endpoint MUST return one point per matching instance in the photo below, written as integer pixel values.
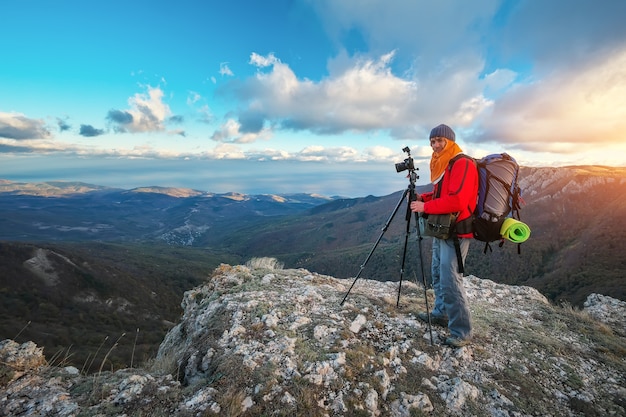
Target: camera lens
(401, 167)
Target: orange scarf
(439, 161)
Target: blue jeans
(450, 296)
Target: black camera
(407, 163)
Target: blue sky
(316, 96)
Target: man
(455, 187)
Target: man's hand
(417, 206)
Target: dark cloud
(90, 131)
(63, 125)
(251, 122)
(120, 116)
(176, 119)
(17, 126)
(11, 149)
(120, 120)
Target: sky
(314, 96)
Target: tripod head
(408, 164)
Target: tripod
(410, 193)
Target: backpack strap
(459, 257)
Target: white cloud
(263, 61)
(335, 154)
(226, 151)
(193, 98)
(225, 69)
(360, 97)
(147, 113)
(381, 153)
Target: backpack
(499, 197)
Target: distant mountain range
(60, 211)
(573, 212)
(80, 260)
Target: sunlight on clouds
(470, 109)
(570, 111)
(148, 111)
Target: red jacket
(459, 190)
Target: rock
(259, 341)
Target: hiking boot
(438, 320)
(456, 342)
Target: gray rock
(268, 341)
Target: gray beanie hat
(442, 131)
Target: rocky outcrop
(260, 340)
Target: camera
(407, 163)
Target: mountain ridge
(257, 339)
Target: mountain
(70, 299)
(257, 339)
(574, 250)
(573, 213)
(59, 211)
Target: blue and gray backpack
(499, 197)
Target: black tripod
(410, 193)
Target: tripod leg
(406, 240)
(395, 210)
(419, 248)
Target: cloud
(251, 122)
(17, 126)
(147, 113)
(362, 94)
(63, 125)
(225, 70)
(566, 95)
(416, 75)
(382, 153)
(263, 61)
(226, 151)
(231, 132)
(571, 110)
(358, 97)
(205, 115)
(176, 119)
(120, 119)
(193, 98)
(6, 148)
(90, 131)
(562, 34)
(319, 153)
